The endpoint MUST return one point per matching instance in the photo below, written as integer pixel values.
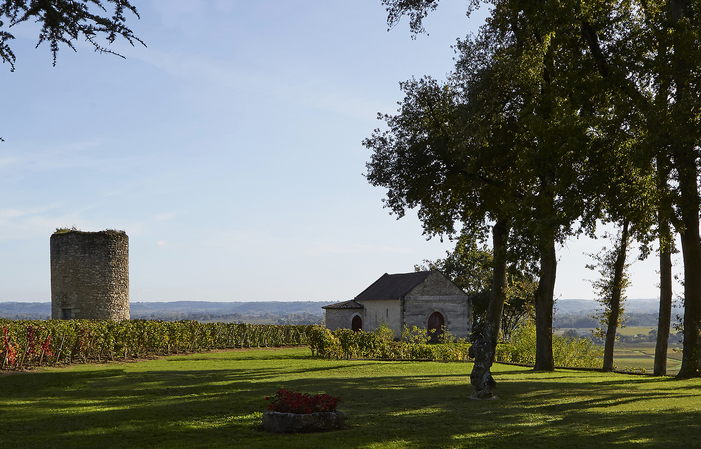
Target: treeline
(252, 308)
(254, 312)
(202, 317)
(27, 344)
(25, 310)
(650, 337)
(585, 321)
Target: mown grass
(217, 399)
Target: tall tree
(449, 153)
(658, 149)
(666, 247)
(646, 57)
(547, 133)
(683, 22)
(665, 85)
(425, 162)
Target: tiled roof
(350, 304)
(393, 286)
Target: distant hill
(260, 312)
(577, 313)
(589, 306)
(246, 308)
(25, 310)
(569, 312)
(271, 312)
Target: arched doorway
(357, 323)
(435, 326)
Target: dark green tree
(516, 107)
(631, 71)
(429, 159)
(676, 27)
(469, 265)
(660, 80)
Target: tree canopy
(558, 112)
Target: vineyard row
(27, 344)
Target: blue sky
(229, 150)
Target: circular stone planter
(278, 422)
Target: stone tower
(89, 275)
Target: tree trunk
(683, 136)
(484, 336)
(691, 250)
(616, 295)
(665, 315)
(691, 362)
(500, 236)
(544, 303)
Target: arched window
(435, 326)
(357, 323)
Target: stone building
(426, 299)
(89, 275)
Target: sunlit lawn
(216, 400)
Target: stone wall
(387, 310)
(342, 318)
(436, 284)
(437, 294)
(456, 310)
(90, 275)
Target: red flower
(286, 401)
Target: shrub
(380, 344)
(323, 342)
(415, 335)
(567, 351)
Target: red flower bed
(286, 401)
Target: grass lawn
(216, 400)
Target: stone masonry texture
(90, 275)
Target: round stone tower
(89, 275)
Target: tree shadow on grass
(390, 405)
